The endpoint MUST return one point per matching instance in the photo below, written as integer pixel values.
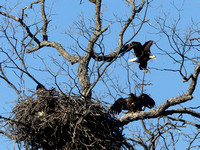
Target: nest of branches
(53, 121)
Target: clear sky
(164, 84)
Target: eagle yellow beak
(153, 56)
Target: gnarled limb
(153, 113)
(130, 19)
(170, 102)
(114, 55)
(59, 48)
(83, 64)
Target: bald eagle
(132, 103)
(143, 54)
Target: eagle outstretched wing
(147, 45)
(146, 100)
(130, 104)
(137, 46)
(119, 105)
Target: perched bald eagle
(132, 103)
(143, 54)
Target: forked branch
(59, 48)
(163, 108)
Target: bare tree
(64, 88)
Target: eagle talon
(144, 71)
(148, 71)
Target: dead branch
(45, 21)
(28, 7)
(114, 55)
(59, 48)
(22, 24)
(170, 102)
(9, 83)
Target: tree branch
(194, 80)
(185, 122)
(31, 5)
(45, 21)
(84, 62)
(181, 111)
(130, 19)
(170, 102)
(111, 56)
(23, 24)
(9, 83)
(153, 113)
(59, 48)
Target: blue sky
(164, 84)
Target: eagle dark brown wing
(138, 48)
(147, 45)
(129, 104)
(119, 105)
(146, 101)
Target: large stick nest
(53, 121)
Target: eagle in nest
(132, 103)
(143, 54)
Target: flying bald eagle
(132, 103)
(143, 54)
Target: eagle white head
(152, 57)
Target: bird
(40, 87)
(143, 54)
(41, 91)
(132, 103)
